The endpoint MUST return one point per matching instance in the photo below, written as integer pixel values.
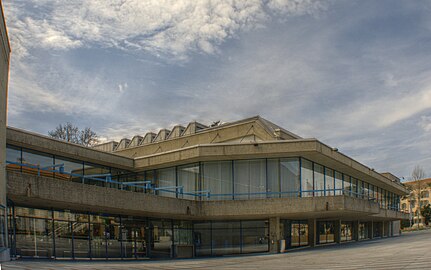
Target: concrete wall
(4, 76)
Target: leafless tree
(417, 175)
(71, 133)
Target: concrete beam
(46, 144)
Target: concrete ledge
(38, 191)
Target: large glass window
(33, 237)
(203, 238)
(346, 231)
(162, 235)
(290, 182)
(217, 178)
(96, 174)
(329, 182)
(226, 238)
(360, 189)
(13, 154)
(73, 169)
(254, 236)
(36, 160)
(326, 232)
(347, 185)
(188, 178)
(307, 178)
(354, 187)
(274, 178)
(166, 178)
(250, 179)
(319, 180)
(338, 183)
(298, 233)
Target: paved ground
(409, 251)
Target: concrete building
(418, 197)
(240, 187)
(195, 190)
(4, 76)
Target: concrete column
(337, 231)
(274, 234)
(383, 232)
(370, 230)
(4, 75)
(312, 232)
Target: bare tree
(417, 175)
(71, 133)
(87, 137)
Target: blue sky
(354, 74)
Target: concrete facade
(337, 217)
(4, 77)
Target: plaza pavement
(410, 251)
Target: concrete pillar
(274, 234)
(4, 76)
(337, 231)
(384, 232)
(312, 232)
(370, 230)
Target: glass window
(354, 187)
(360, 189)
(166, 178)
(63, 239)
(96, 174)
(274, 178)
(188, 178)
(162, 238)
(326, 232)
(319, 180)
(290, 182)
(73, 170)
(329, 182)
(13, 154)
(338, 183)
(217, 179)
(249, 179)
(33, 237)
(202, 238)
(35, 160)
(254, 236)
(307, 178)
(81, 241)
(226, 238)
(347, 185)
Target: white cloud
(425, 123)
(170, 27)
(122, 87)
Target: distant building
(418, 197)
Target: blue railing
(147, 185)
